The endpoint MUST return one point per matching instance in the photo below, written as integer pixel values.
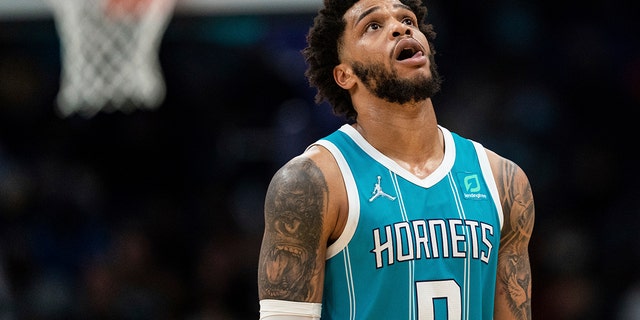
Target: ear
(344, 77)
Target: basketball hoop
(109, 51)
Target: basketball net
(109, 51)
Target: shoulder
(315, 165)
(313, 178)
(300, 181)
(511, 180)
(516, 195)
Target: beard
(386, 84)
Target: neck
(408, 134)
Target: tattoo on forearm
(514, 269)
(293, 227)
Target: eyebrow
(371, 10)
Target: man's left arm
(513, 281)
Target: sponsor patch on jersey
(472, 187)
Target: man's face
(387, 52)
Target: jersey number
(428, 291)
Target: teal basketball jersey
(413, 248)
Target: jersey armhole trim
(352, 198)
(489, 178)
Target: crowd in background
(158, 214)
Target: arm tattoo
(514, 270)
(294, 206)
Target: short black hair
(321, 53)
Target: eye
(373, 26)
(408, 21)
(287, 225)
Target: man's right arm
(292, 256)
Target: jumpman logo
(377, 192)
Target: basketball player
(392, 216)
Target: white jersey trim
(271, 309)
(488, 177)
(352, 196)
(430, 180)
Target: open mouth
(407, 48)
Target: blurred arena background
(157, 214)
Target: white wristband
(289, 310)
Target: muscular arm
(513, 286)
(292, 255)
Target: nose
(400, 29)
